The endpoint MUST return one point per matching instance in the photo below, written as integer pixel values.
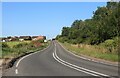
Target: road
(56, 61)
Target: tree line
(104, 25)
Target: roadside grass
(12, 43)
(95, 51)
(17, 48)
(11, 51)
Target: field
(92, 51)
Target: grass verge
(11, 51)
(92, 51)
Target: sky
(43, 18)
(0, 19)
(56, 0)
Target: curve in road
(55, 61)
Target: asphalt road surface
(56, 61)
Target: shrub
(63, 39)
(4, 45)
(73, 41)
(111, 45)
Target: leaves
(104, 25)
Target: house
(4, 39)
(8, 38)
(34, 37)
(41, 38)
(45, 41)
(15, 38)
(21, 38)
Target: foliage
(104, 25)
(102, 30)
(4, 45)
(111, 45)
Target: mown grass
(92, 50)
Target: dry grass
(92, 50)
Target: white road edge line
(27, 56)
(85, 58)
(73, 66)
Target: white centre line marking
(85, 57)
(91, 72)
(16, 71)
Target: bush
(73, 41)
(4, 45)
(63, 39)
(111, 45)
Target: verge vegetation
(98, 36)
(11, 51)
(17, 48)
(95, 51)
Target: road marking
(87, 58)
(27, 56)
(72, 67)
(91, 72)
(22, 59)
(16, 71)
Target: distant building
(21, 38)
(15, 38)
(41, 38)
(34, 38)
(4, 39)
(9, 38)
(45, 41)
